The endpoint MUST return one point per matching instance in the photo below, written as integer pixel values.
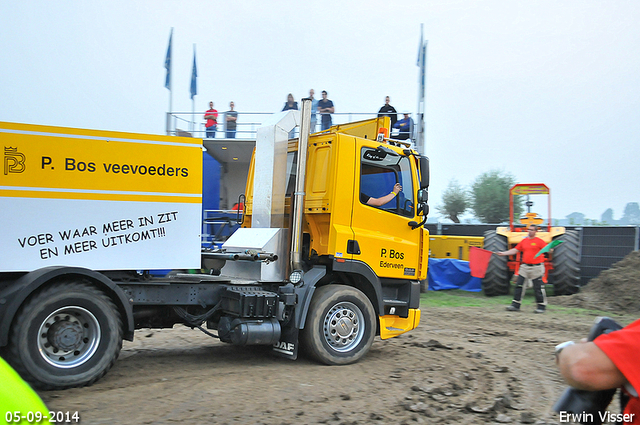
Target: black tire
(67, 335)
(565, 275)
(496, 280)
(334, 305)
(424, 286)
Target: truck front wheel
(67, 335)
(340, 326)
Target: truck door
(386, 241)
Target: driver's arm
(378, 202)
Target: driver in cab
(378, 202)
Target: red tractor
(562, 267)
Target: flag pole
(194, 90)
(420, 140)
(167, 84)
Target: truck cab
(378, 251)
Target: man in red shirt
(212, 121)
(530, 268)
(610, 361)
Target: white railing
(183, 123)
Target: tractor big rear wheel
(496, 280)
(565, 275)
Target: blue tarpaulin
(448, 273)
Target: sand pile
(616, 289)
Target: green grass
(458, 298)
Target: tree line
(488, 198)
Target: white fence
(185, 124)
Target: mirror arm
(415, 225)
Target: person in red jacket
(609, 361)
(530, 268)
(212, 121)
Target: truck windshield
(379, 175)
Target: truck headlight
(295, 276)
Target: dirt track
(461, 366)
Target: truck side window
(379, 173)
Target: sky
(547, 91)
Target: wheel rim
(68, 337)
(343, 326)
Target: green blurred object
(17, 396)
(550, 246)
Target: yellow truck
(87, 214)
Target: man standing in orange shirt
(530, 268)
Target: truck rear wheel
(565, 275)
(496, 280)
(67, 335)
(340, 326)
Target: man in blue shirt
(405, 126)
(325, 108)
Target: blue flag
(194, 76)
(167, 62)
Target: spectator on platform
(212, 121)
(388, 111)
(290, 104)
(314, 109)
(325, 108)
(405, 127)
(230, 122)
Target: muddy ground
(616, 289)
(471, 365)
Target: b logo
(14, 161)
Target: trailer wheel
(67, 335)
(496, 280)
(340, 326)
(565, 275)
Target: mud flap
(288, 344)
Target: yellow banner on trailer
(98, 199)
(58, 162)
